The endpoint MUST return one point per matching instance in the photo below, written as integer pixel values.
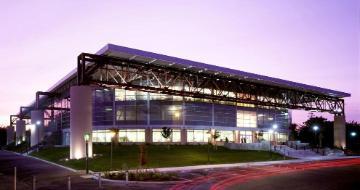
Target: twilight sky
(312, 42)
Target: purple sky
(312, 42)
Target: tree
(353, 136)
(293, 128)
(215, 136)
(167, 133)
(324, 135)
(115, 137)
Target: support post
(148, 135)
(339, 131)
(183, 136)
(69, 183)
(20, 131)
(34, 183)
(15, 178)
(80, 121)
(37, 131)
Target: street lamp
(353, 134)
(37, 128)
(275, 126)
(271, 131)
(315, 129)
(87, 138)
(112, 134)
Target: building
(140, 92)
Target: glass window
(197, 136)
(246, 137)
(132, 135)
(101, 136)
(226, 134)
(157, 137)
(246, 119)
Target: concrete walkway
(250, 164)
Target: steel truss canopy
(116, 66)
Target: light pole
(111, 150)
(315, 129)
(86, 138)
(271, 131)
(208, 146)
(37, 128)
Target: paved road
(317, 175)
(48, 176)
(51, 176)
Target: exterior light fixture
(275, 126)
(353, 134)
(315, 128)
(38, 122)
(87, 138)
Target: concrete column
(183, 136)
(236, 136)
(254, 137)
(80, 121)
(148, 135)
(9, 134)
(339, 131)
(37, 130)
(20, 131)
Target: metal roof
(159, 59)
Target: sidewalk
(249, 164)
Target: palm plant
(167, 133)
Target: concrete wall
(80, 120)
(37, 130)
(339, 131)
(264, 145)
(20, 131)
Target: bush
(142, 175)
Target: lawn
(127, 156)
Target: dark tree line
(324, 135)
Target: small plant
(142, 175)
(115, 137)
(167, 133)
(215, 136)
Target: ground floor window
(101, 136)
(132, 135)
(282, 137)
(229, 135)
(246, 137)
(157, 137)
(279, 137)
(197, 136)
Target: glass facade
(126, 107)
(132, 111)
(246, 119)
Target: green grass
(127, 156)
